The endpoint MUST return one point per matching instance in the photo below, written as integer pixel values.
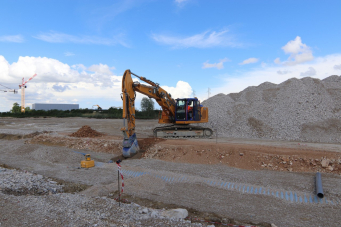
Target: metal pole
(319, 189)
(119, 191)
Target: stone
(154, 214)
(325, 163)
(241, 154)
(273, 225)
(330, 168)
(145, 211)
(178, 213)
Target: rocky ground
(223, 183)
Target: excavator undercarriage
(182, 131)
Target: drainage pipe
(319, 189)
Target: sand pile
(86, 131)
(304, 109)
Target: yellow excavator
(98, 107)
(177, 114)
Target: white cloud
(320, 67)
(180, 1)
(181, 90)
(299, 52)
(311, 72)
(12, 38)
(202, 40)
(337, 66)
(277, 61)
(68, 54)
(57, 82)
(249, 61)
(57, 37)
(219, 65)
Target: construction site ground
(222, 180)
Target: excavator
(178, 114)
(98, 107)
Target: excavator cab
(188, 109)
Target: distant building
(50, 106)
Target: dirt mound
(86, 131)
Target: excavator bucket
(130, 146)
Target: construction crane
(178, 113)
(23, 86)
(8, 89)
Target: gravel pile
(22, 182)
(21, 205)
(86, 131)
(304, 109)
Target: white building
(50, 106)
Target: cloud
(180, 1)
(12, 38)
(299, 52)
(60, 88)
(277, 61)
(181, 90)
(311, 72)
(283, 72)
(337, 66)
(57, 82)
(320, 67)
(202, 40)
(219, 65)
(249, 61)
(68, 54)
(57, 37)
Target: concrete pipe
(319, 189)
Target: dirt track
(198, 174)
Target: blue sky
(80, 49)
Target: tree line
(147, 112)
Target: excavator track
(182, 131)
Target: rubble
(22, 182)
(306, 109)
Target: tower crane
(23, 86)
(8, 89)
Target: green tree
(147, 104)
(16, 108)
(27, 109)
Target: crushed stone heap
(86, 131)
(307, 110)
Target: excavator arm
(152, 90)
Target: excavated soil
(252, 157)
(86, 131)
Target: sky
(80, 49)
